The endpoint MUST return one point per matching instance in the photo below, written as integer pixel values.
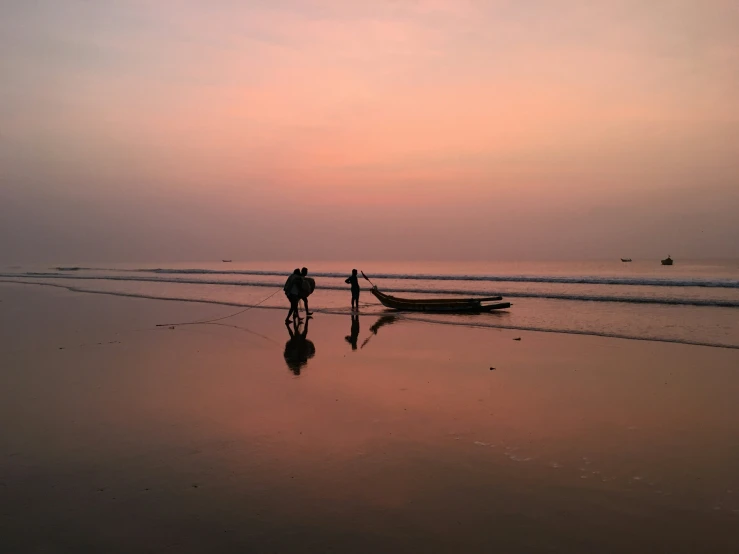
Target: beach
(368, 434)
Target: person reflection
(298, 350)
(352, 338)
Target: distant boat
(625, 259)
(667, 260)
(226, 261)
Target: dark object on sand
(667, 260)
(517, 338)
(454, 305)
(492, 369)
(625, 259)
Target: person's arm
(348, 281)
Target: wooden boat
(449, 305)
(667, 260)
(625, 259)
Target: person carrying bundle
(293, 289)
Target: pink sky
(428, 129)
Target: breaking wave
(574, 280)
(421, 318)
(674, 301)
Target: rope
(200, 322)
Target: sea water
(695, 302)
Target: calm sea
(694, 302)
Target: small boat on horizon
(226, 261)
(625, 259)
(667, 260)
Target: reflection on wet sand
(574, 444)
(354, 335)
(381, 322)
(298, 350)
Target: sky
(183, 130)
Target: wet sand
(118, 436)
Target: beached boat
(625, 259)
(667, 260)
(450, 305)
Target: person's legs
(290, 312)
(305, 304)
(296, 315)
(293, 308)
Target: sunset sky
(155, 130)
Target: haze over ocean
(405, 130)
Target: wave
(420, 319)
(670, 301)
(572, 280)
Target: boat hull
(452, 305)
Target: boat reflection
(298, 350)
(354, 334)
(381, 322)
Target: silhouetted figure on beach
(352, 338)
(298, 350)
(354, 282)
(293, 288)
(306, 289)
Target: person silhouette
(293, 287)
(307, 288)
(298, 350)
(352, 338)
(354, 282)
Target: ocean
(692, 302)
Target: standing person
(292, 288)
(354, 282)
(307, 289)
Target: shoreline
(420, 319)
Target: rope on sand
(203, 321)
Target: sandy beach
(365, 435)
